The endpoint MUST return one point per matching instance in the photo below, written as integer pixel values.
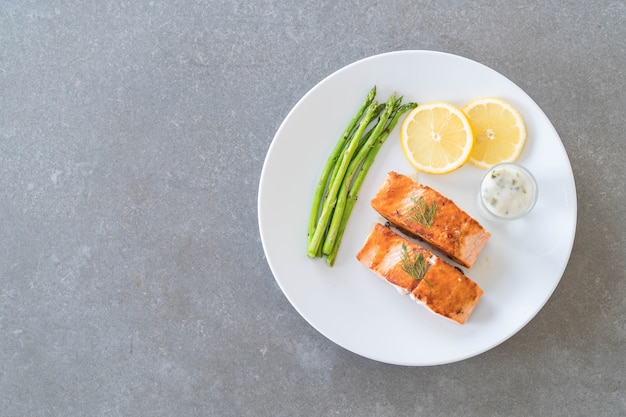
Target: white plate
(518, 270)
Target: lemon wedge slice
(499, 130)
(436, 138)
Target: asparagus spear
(366, 147)
(331, 163)
(335, 182)
(358, 181)
(364, 138)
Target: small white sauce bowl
(492, 200)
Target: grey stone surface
(132, 277)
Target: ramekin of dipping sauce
(508, 191)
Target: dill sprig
(416, 267)
(421, 212)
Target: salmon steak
(424, 213)
(414, 270)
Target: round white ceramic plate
(518, 270)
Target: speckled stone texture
(132, 277)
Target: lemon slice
(436, 138)
(499, 130)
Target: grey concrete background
(132, 276)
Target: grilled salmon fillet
(443, 289)
(422, 212)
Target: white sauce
(507, 191)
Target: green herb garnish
(421, 212)
(416, 266)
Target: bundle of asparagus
(345, 170)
